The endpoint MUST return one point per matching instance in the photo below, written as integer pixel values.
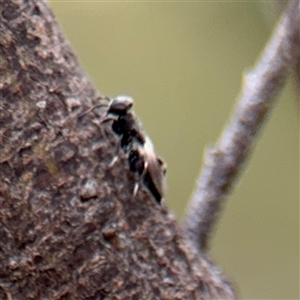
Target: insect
(137, 146)
(124, 123)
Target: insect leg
(141, 178)
(137, 164)
(90, 109)
(116, 156)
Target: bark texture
(70, 227)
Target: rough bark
(70, 226)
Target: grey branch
(225, 160)
(70, 227)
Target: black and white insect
(124, 123)
(137, 146)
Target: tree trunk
(71, 227)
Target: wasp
(124, 123)
(137, 146)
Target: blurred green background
(183, 64)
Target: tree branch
(224, 162)
(70, 225)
